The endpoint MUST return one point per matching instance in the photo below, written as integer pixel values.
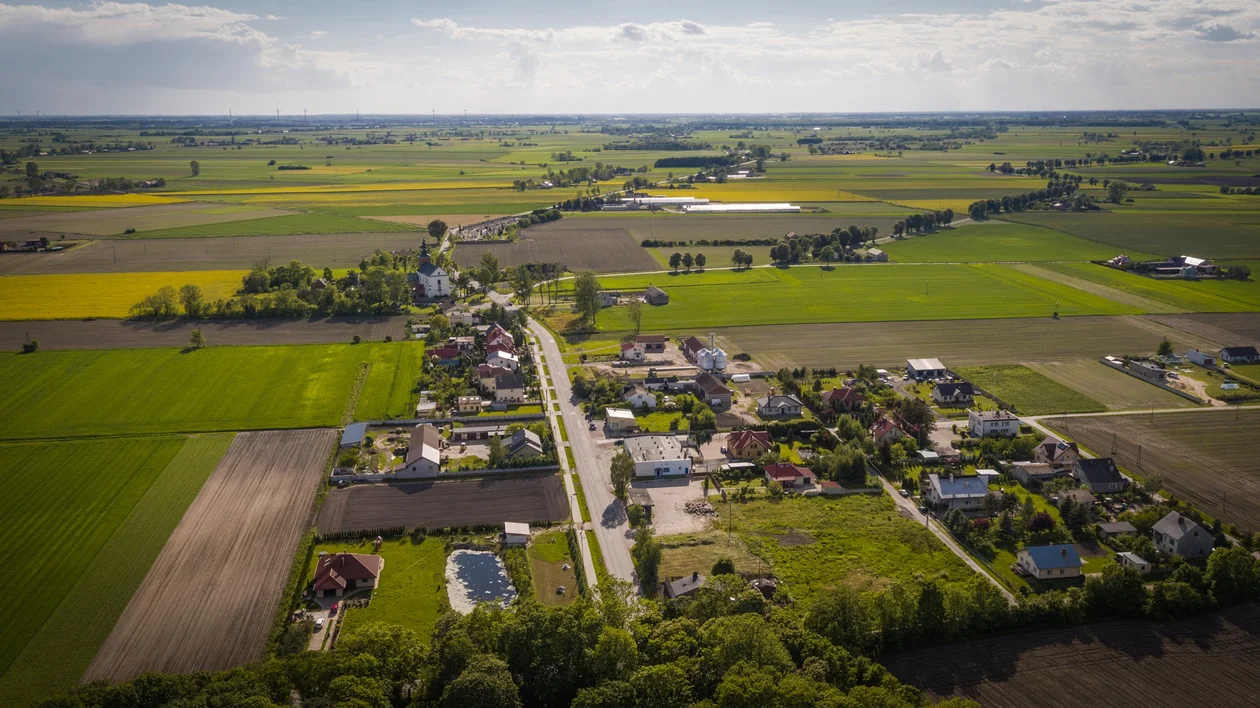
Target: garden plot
(444, 504)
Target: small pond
(473, 577)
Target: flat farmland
(1208, 458)
(73, 296)
(1212, 660)
(1191, 295)
(957, 343)
(113, 222)
(136, 334)
(583, 247)
(1114, 389)
(1221, 330)
(171, 255)
(853, 293)
(208, 601)
(58, 394)
(84, 520)
(744, 227)
(997, 241)
(716, 256)
(1030, 392)
(290, 223)
(446, 503)
(1215, 235)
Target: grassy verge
(597, 557)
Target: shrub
(355, 339)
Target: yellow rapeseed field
(95, 201)
(110, 295)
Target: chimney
(695, 576)
(1063, 551)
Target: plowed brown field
(441, 504)
(208, 601)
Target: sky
(650, 56)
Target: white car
(319, 624)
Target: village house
(464, 344)
(1099, 475)
(446, 356)
(342, 574)
(515, 533)
(886, 431)
(953, 394)
(1061, 456)
(748, 444)
(1240, 355)
(468, 404)
(500, 341)
(424, 456)
(655, 296)
(779, 405)
(463, 316)
(639, 397)
(983, 424)
(509, 388)
(1128, 559)
(1034, 472)
(683, 587)
(658, 456)
(876, 255)
(486, 376)
(503, 359)
(651, 343)
(470, 433)
(965, 493)
(789, 475)
(921, 369)
(524, 443)
(843, 400)
(632, 351)
(1050, 562)
(713, 392)
(1177, 535)
(621, 420)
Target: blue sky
(649, 56)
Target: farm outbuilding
(354, 435)
(515, 533)
(925, 368)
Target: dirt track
(1205, 661)
(223, 253)
(127, 334)
(441, 504)
(209, 599)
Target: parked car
(591, 426)
(904, 493)
(332, 612)
(319, 624)
(923, 509)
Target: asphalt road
(608, 514)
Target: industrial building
(658, 456)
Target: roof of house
(1117, 527)
(635, 391)
(1132, 557)
(426, 443)
(743, 438)
(495, 328)
(468, 399)
(925, 364)
(1174, 525)
(335, 570)
(874, 252)
(1035, 469)
(654, 448)
(1099, 470)
(777, 400)
(882, 427)
(485, 371)
(619, 413)
(843, 395)
(1079, 496)
(712, 385)
(1239, 351)
(502, 354)
(684, 585)
(355, 432)
(956, 487)
(524, 440)
(1053, 447)
(653, 290)
(445, 352)
(1052, 557)
(429, 270)
(509, 381)
(787, 472)
(954, 389)
(692, 344)
(994, 415)
(491, 428)
(516, 528)
(627, 346)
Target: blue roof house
(1050, 562)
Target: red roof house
(340, 573)
(843, 399)
(788, 474)
(748, 444)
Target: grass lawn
(660, 421)
(1246, 371)
(280, 225)
(815, 544)
(130, 391)
(520, 409)
(80, 295)
(412, 590)
(684, 554)
(923, 392)
(1030, 392)
(998, 241)
(1195, 296)
(867, 293)
(548, 552)
(85, 520)
(597, 556)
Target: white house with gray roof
(658, 456)
(1177, 535)
(956, 492)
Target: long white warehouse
(664, 201)
(740, 208)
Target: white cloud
(319, 34)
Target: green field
(816, 544)
(412, 590)
(548, 553)
(870, 293)
(1204, 233)
(59, 394)
(1030, 392)
(997, 241)
(1195, 296)
(281, 225)
(85, 520)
